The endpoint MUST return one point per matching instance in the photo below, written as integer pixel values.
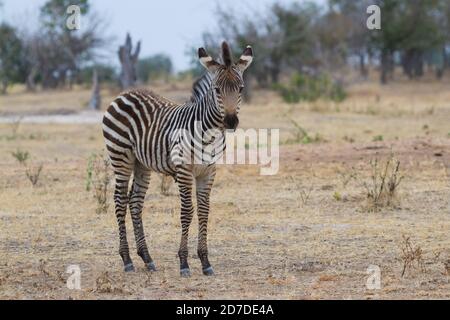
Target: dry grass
(166, 183)
(303, 192)
(100, 177)
(411, 254)
(33, 173)
(263, 242)
(382, 190)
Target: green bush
(310, 88)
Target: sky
(163, 26)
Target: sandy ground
(266, 240)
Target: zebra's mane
(200, 87)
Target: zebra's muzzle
(231, 121)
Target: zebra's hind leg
(185, 182)
(121, 203)
(203, 190)
(137, 195)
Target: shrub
(21, 156)
(383, 185)
(99, 177)
(302, 87)
(411, 254)
(300, 135)
(304, 192)
(377, 138)
(32, 172)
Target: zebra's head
(227, 81)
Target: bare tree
(96, 100)
(128, 60)
(58, 52)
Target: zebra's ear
(207, 61)
(246, 59)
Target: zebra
(200, 87)
(138, 128)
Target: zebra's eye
(240, 89)
(217, 90)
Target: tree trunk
(384, 66)
(439, 73)
(391, 65)
(31, 77)
(49, 79)
(95, 101)
(440, 69)
(406, 63)
(4, 86)
(262, 78)
(69, 78)
(128, 61)
(418, 64)
(274, 74)
(362, 66)
(370, 57)
(446, 62)
(45, 79)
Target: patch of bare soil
(407, 149)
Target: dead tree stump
(95, 102)
(128, 61)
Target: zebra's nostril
(231, 121)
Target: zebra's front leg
(203, 186)
(185, 183)
(137, 196)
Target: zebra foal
(139, 129)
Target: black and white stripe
(200, 87)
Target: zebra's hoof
(151, 266)
(129, 268)
(185, 273)
(208, 271)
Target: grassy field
(305, 233)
